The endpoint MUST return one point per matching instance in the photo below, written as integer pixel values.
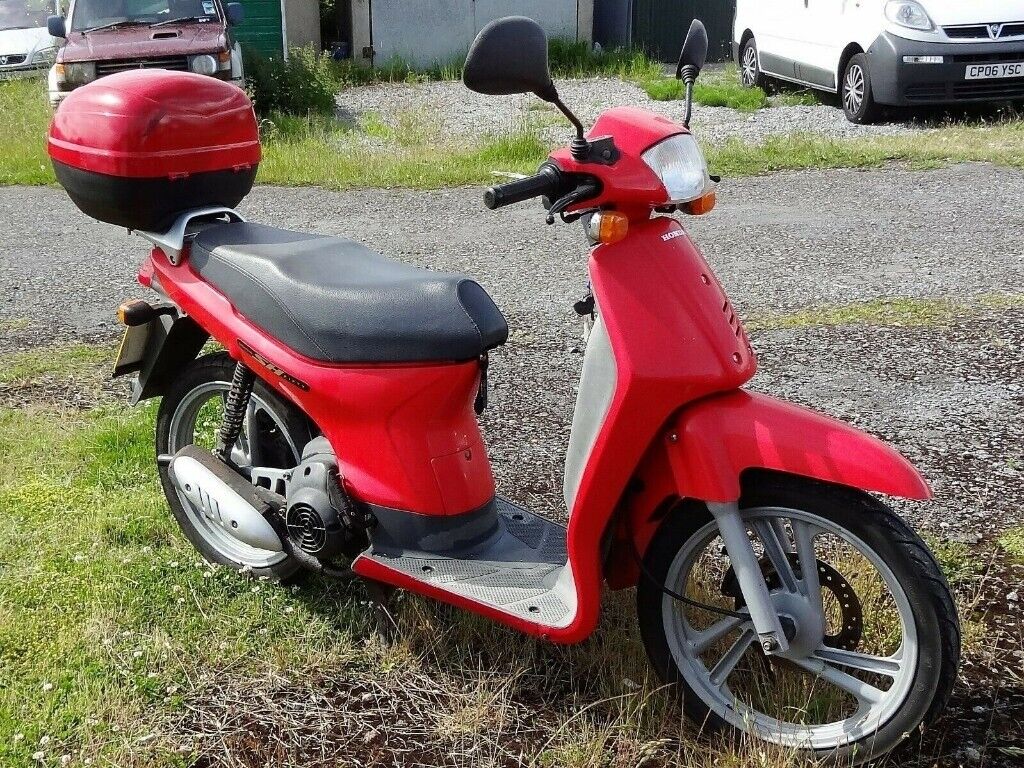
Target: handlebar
(546, 182)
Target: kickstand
(381, 595)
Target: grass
(119, 647)
(719, 88)
(320, 151)
(891, 312)
(1012, 542)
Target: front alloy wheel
(858, 100)
(873, 634)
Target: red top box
(139, 148)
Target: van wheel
(750, 71)
(858, 101)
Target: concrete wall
(428, 32)
(302, 22)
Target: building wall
(429, 32)
(302, 22)
(261, 29)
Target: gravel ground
(950, 397)
(457, 111)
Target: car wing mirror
(56, 27)
(234, 13)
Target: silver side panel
(597, 387)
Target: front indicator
(701, 205)
(607, 227)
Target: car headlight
(908, 13)
(204, 64)
(76, 73)
(43, 56)
(680, 165)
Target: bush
(304, 83)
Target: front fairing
(627, 182)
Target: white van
(896, 52)
(25, 45)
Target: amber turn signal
(701, 205)
(608, 227)
(138, 312)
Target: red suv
(101, 37)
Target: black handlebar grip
(546, 182)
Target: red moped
(337, 430)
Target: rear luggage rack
(188, 225)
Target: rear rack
(187, 226)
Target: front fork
(750, 577)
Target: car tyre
(856, 95)
(750, 70)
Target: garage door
(659, 26)
(262, 26)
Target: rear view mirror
(695, 50)
(510, 55)
(234, 13)
(56, 27)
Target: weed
(1012, 542)
(895, 312)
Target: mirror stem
(580, 146)
(688, 74)
(689, 105)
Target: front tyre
(874, 635)
(750, 71)
(858, 99)
(273, 436)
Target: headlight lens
(204, 64)
(680, 165)
(77, 73)
(909, 14)
(44, 56)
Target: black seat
(335, 301)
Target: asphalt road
(949, 396)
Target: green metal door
(659, 26)
(261, 29)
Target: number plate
(133, 350)
(994, 71)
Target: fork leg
(751, 580)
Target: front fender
(707, 447)
(712, 443)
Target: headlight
(77, 73)
(908, 13)
(43, 56)
(680, 165)
(204, 64)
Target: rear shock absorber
(235, 405)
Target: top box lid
(155, 124)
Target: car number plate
(994, 71)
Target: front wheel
(750, 71)
(874, 635)
(858, 98)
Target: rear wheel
(273, 436)
(875, 638)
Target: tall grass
(25, 116)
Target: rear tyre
(750, 71)
(859, 103)
(881, 666)
(274, 435)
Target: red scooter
(337, 430)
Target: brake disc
(851, 614)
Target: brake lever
(578, 195)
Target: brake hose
(670, 593)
